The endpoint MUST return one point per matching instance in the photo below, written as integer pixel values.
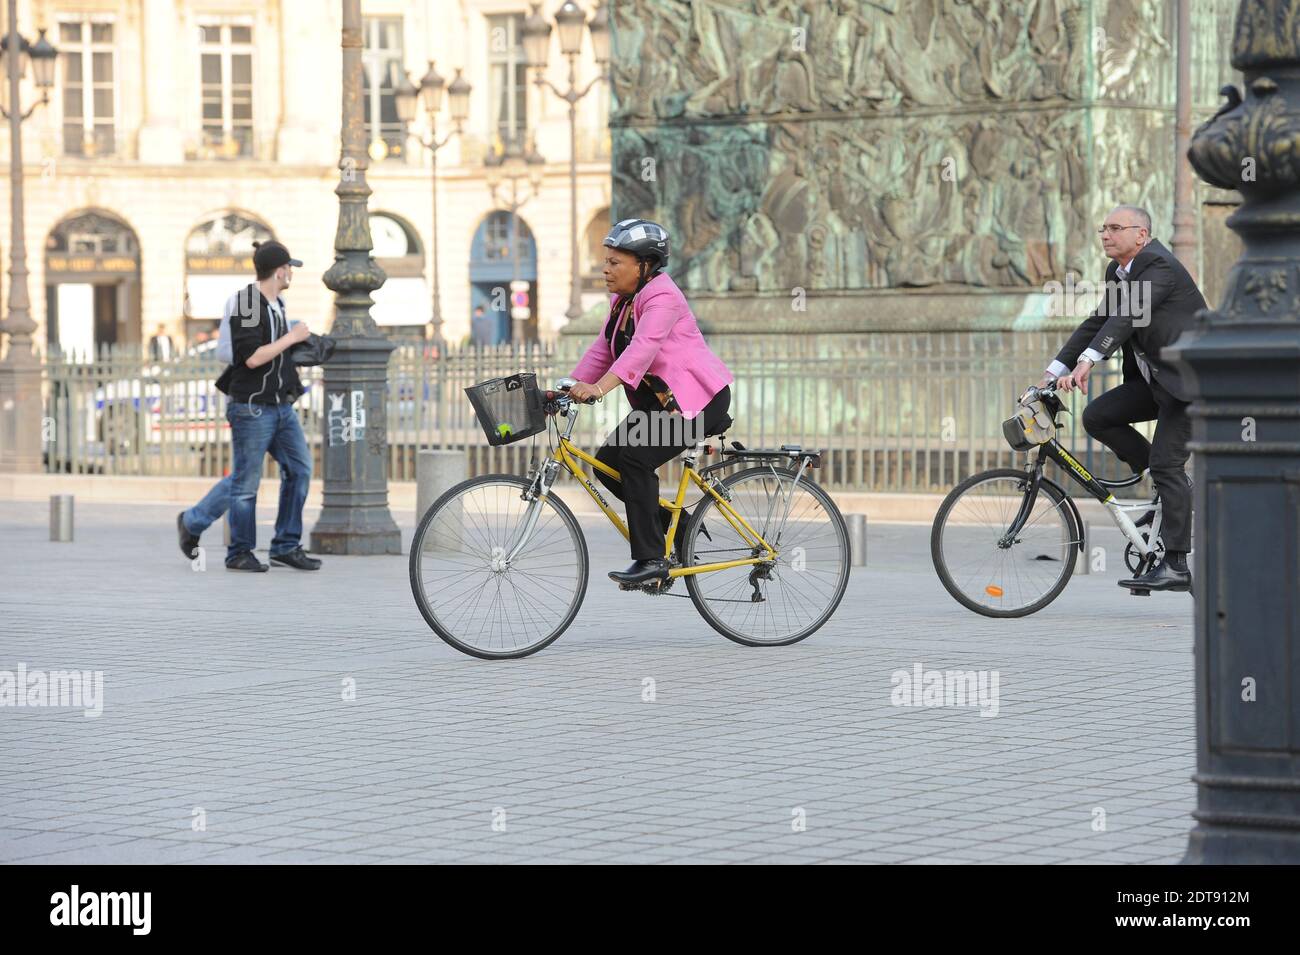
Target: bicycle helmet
(641, 237)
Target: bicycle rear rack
(789, 452)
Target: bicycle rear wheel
(1000, 578)
(463, 585)
(777, 603)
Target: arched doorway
(92, 283)
(503, 281)
(402, 306)
(593, 278)
(218, 263)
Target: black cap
(269, 256)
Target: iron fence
(895, 412)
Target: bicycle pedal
(1139, 592)
(650, 587)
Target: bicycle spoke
(1007, 579)
(470, 596)
(800, 589)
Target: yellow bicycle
(499, 564)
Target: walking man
(263, 386)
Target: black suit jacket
(1152, 307)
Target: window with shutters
(507, 79)
(226, 90)
(89, 97)
(382, 62)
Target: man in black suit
(1150, 300)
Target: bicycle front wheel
(786, 600)
(982, 568)
(468, 588)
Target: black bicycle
(1004, 542)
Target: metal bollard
(225, 529)
(1084, 564)
(437, 472)
(858, 538)
(61, 517)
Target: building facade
(179, 132)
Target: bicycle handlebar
(563, 395)
(1033, 393)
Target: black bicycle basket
(509, 409)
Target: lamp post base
(21, 413)
(355, 517)
(1242, 845)
(354, 534)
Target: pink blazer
(667, 343)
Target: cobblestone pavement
(226, 734)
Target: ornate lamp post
(513, 165)
(570, 21)
(20, 371)
(355, 518)
(430, 94)
(1244, 364)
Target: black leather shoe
(641, 571)
(297, 559)
(1160, 577)
(189, 543)
(246, 561)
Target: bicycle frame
(568, 455)
(1103, 491)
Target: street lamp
(20, 371)
(598, 27)
(509, 163)
(570, 20)
(1240, 361)
(42, 54)
(537, 38)
(354, 518)
(571, 24)
(430, 94)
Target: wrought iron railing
(896, 412)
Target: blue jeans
(255, 430)
(209, 510)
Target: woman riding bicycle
(651, 345)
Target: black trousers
(1109, 418)
(636, 455)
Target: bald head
(1136, 216)
(1126, 230)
